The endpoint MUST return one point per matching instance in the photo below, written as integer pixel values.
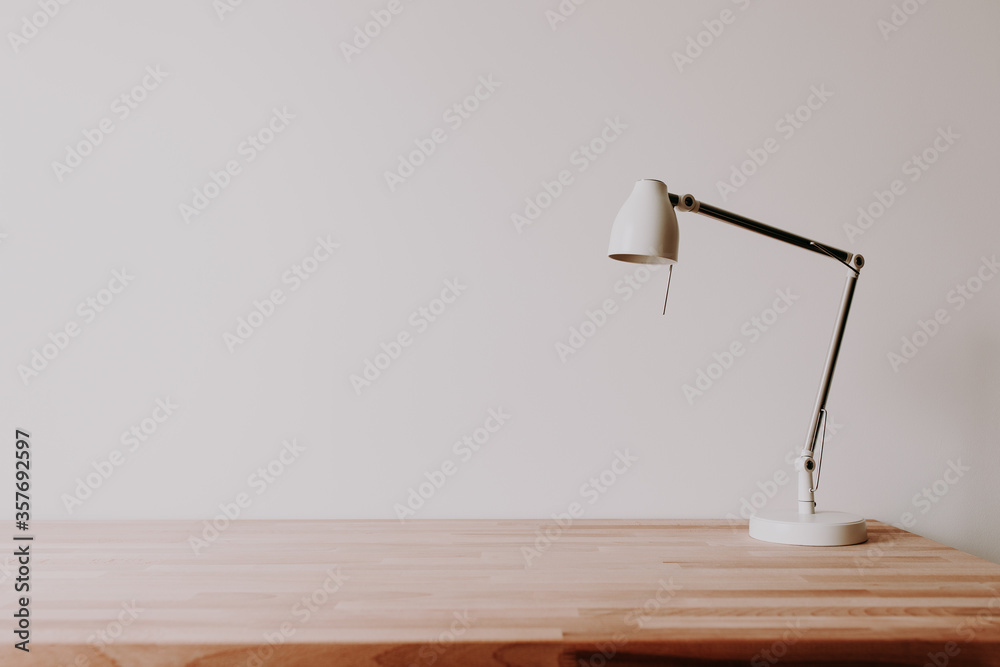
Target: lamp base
(822, 529)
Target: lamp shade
(645, 231)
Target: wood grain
(463, 593)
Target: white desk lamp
(645, 232)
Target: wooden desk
(643, 592)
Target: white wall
(495, 346)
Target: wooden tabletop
(496, 593)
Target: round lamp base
(822, 529)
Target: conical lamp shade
(645, 231)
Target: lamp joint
(689, 203)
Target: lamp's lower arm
(806, 465)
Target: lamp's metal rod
(831, 362)
(670, 272)
(689, 203)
